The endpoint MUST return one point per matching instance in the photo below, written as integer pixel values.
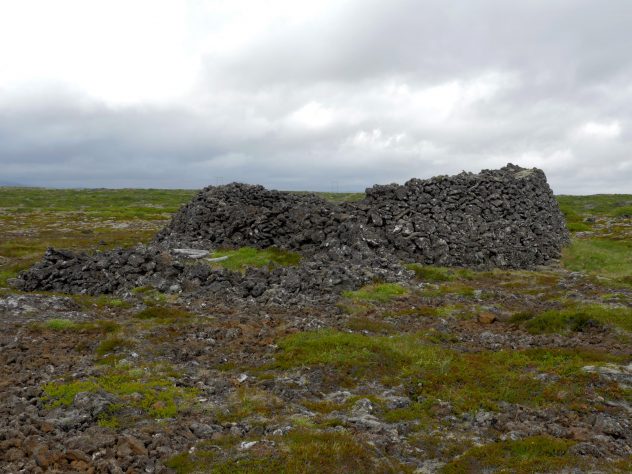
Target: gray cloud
(369, 92)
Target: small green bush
(61, 324)
(552, 322)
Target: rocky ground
(451, 371)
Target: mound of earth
(500, 218)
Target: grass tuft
(150, 390)
(376, 293)
(468, 381)
(579, 318)
(529, 455)
(302, 451)
(601, 257)
(430, 273)
(163, 314)
(66, 325)
(248, 401)
(111, 344)
(61, 324)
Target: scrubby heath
(448, 370)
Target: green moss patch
(578, 226)
(101, 302)
(150, 296)
(456, 288)
(301, 451)
(354, 355)
(468, 381)
(112, 344)
(240, 259)
(376, 293)
(8, 273)
(579, 318)
(574, 220)
(432, 273)
(149, 389)
(162, 313)
(611, 259)
(67, 325)
(363, 323)
(248, 401)
(526, 456)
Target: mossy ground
(433, 373)
(534, 454)
(610, 260)
(575, 318)
(302, 451)
(245, 257)
(150, 389)
(377, 293)
(33, 219)
(431, 273)
(165, 356)
(162, 313)
(67, 325)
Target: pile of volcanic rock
(120, 270)
(501, 218)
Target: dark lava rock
(505, 218)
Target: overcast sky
(323, 95)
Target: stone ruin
(504, 218)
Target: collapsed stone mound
(120, 270)
(238, 215)
(503, 218)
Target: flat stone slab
(217, 259)
(191, 253)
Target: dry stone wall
(502, 218)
